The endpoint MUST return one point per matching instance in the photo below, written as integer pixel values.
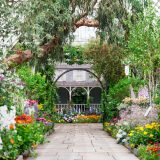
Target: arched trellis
(81, 69)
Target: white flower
(1, 144)
(124, 133)
(119, 135)
(1, 71)
(124, 140)
(125, 123)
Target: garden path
(81, 142)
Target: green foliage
(35, 84)
(144, 42)
(112, 15)
(39, 87)
(42, 20)
(37, 23)
(106, 60)
(116, 94)
(122, 89)
(79, 96)
(145, 134)
(73, 55)
(108, 108)
(29, 135)
(11, 86)
(144, 154)
(10, 144)
(111, 129)
(17, 141)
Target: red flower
(24, 119)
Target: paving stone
(81, 142)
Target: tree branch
(87, 22)
(46, 48)
(19, 58)
(23, 56)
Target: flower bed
(20, 133)
(148, 134)
(144, 141)
(26, 110)
(139, 133)
(111, 129)
(80, 118)
(87, 119)
(150, 152)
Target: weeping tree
(43, 27)
(112, 16)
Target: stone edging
(134, 150)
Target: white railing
(78, 108)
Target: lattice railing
(78, 108)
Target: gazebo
(70, 79)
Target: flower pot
(26, 154)
(20, 157)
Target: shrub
(30, 134)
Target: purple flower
(1, 77)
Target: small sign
(127, 70)
(148, 110)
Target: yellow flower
(141, 128)
(149, 126)
(137, 128)
(40, 106)
(106, 124)
(34, 146)
(130, 134)
(132, 145)
(151, 135)
(132, 131)
(145, 133)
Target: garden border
(27, 152)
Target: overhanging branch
(87, 22)
(46, 48)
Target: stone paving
(82, 142)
